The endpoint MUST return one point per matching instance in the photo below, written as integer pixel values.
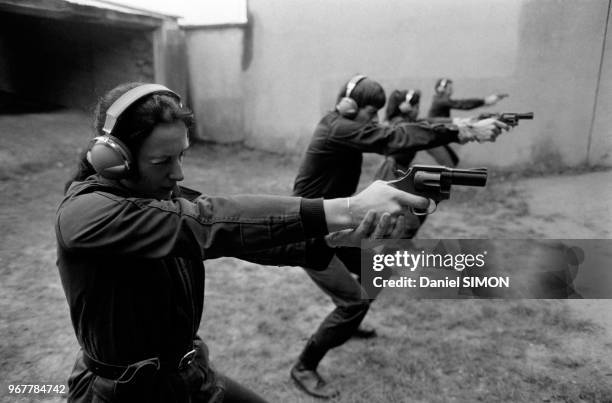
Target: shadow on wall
(247, 42)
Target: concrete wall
(216, 82)
(600, 145)
(170, 58)
(545, 53)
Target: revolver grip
(405, 183)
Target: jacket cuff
(452, 131)
(313, 218)
(454, 135)
(318, 254)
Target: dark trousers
(198, 382)
(340, 280)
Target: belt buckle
(187, 359)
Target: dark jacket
(398, 161)
(442, 105)
(132, 268)
(332, 165)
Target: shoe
(364, 332)
(311, 382)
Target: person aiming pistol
(441, 106)
(331, 168)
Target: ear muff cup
(404, 107)
(411, 101)
(347, 106)
(109, 157)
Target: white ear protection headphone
(347, 106)
(410, 101)
(442, 86)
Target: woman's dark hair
(366, 92)
(135, 124)
(395, 100)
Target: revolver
(509, 118)
(434, 182)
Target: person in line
(403, 106)
(331, 168)
(440, 108)
(442, 102)
(131, 244)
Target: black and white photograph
(298, 201)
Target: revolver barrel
(519, 116)
(467, 177)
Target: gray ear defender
(413, 97)
(109, 157)
(442, 86)
(107, 154)
(347, 106)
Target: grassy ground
(257, 318)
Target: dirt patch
(37, 141)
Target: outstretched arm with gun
(435, 182)
(509, 118)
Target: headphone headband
(443, 83)
(352, 84)
(127, 99)
(409, 96)
(413, 97)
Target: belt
(125, 373)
